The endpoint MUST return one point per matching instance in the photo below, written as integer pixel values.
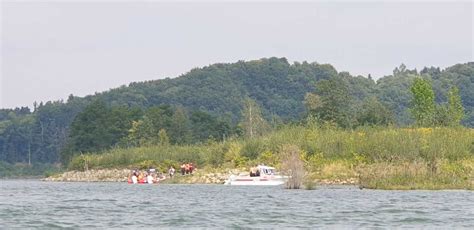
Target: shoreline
(219, 176)
(199, 177)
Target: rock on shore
(200, 178)
(121, 175)
(349, 181)
(93, 175)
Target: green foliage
(384, 157)
(374, 113)
(361, 146)
(218, 92)
(241, 161)
(136, 136)
(148, 164)
(163, 138)
(269, 158)
(394, 91)
(252, 149)
(335, 101)
(416, 175)
(455, 107)
(449, 114)
(204, 126)
(97, 128)
(147, 130)
(180, 124)
(423, 102)
(312, 103)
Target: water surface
(37, 204)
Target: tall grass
(417, 175)
(328, 152)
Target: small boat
(142, 181)
(266, 176)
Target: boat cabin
(266, 170)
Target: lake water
(37, 204)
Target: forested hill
(220, 88)
(209, 101)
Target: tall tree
(99, 127)
(423, 102)
(335, 101)
(452, 112)
(253, 122)
(180, 130)
(455, 107)
(204, 126)
(147, 130)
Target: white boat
(266, 176)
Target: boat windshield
(268, 171)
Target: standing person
(134, 178)
(149, 179)
(191, 168)
(140, 177)
(171, 171)
(183, 169)
(186, 168)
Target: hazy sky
(51, 49)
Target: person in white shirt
(134, 179)
(149, 179)
(171, 171)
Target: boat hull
(255, 181)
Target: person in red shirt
(191, 168)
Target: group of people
(146, 177)
(151, 176)
(254, 171)
(187, 168)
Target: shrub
(293, 166)
(252, 149)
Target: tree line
(239, 99)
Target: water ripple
(47, 205)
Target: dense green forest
(227, 100)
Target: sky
(51, 49)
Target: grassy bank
(386, 158)
(419, 175)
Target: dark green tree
(99, 127)
(374, 113)
(180, 131)
(335, 102)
